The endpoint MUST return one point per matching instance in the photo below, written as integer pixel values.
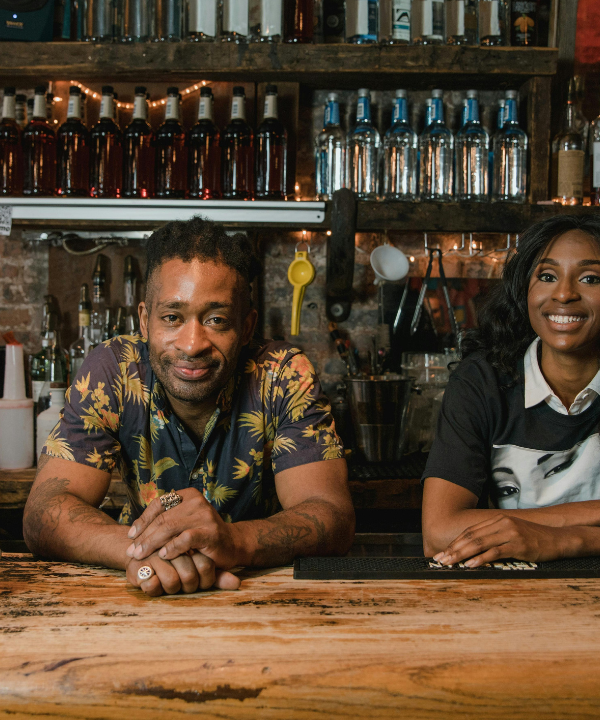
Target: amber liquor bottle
(138, 150)
(39, 150)
(106, 153)
(204, 152)
(271, 151)
(237, 166)
(299, 21)
(73, 151)
(171, 160)
(11, 161)
(524, 20)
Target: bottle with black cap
(138, 150)
(73, 151)
(171, 157)
(39, 150)
(106, 156)
(237, 167)
(271, 151)
(11, 162)
(204, 152)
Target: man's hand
(504, 537)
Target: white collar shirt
(537, 389)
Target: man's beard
(195, 391)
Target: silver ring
(170, 500)
(145, 573)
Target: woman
(514, 470)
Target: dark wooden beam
(539, 96)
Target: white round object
(389, 263)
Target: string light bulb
(129, 106)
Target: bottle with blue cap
(363, 151)
(436, 148)
(472, 149)
(510, 156)
(400, 154)
(330, 152)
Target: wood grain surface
(76, 642)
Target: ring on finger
(170, 500)
(145, 573)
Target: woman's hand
(504, 537)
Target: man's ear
(249, 326)
(143, 315)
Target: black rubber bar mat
(418, 568)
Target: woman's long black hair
(504, 331)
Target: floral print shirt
(272, 415)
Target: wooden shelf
(316, 65)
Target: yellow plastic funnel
(300, 274)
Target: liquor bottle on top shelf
(98, 302)
(39, 150)
(11, 160)
(171, 154)
(271, 151)
(129, 286)
(330, 152)
(334, 21)
(400, 154)
(362, 22)
(137, 21)
(299, 21)
(204, 152)
(524, 20)
(510, 156)
(81, 347)
(266, 20)
(436, 148)
(491, 22)
(106, 151)
(568, 158)
(21, 110)
(202, 20)
(427, 22)
(472, 155)
(237, 167)
(363, 151)
(138, 151)
(73, 151)
(394, 22)
(461, 22)
(169, 20)
(234, 21)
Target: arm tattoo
(44, 508)
(87, 514)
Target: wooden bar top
(77, 642)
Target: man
(213, 433)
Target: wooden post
(538, 91)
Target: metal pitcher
(378, 407)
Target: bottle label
(84, 318)
(74, 109)
(596, 164)
(570, 173)
(271, 18)
(205, 108)
(401, 20)
(270, 106)
(400, 110)
(361, 18)
(36, 389)
(501, 115)
(235, 16)
(455, 18)
(107, 107)
(524, 6)
(238, 108)
(203, 17)
(489, 18)
(332, 113)
(172, 111)
(39, 106)
(9, 107)
(423, 18)
(140, 108)
(363, 109)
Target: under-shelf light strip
(154, 103)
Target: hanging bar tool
(301, 273)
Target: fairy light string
(153, 103)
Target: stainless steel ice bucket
(378, 406)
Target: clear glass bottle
(171, 152)
(11, 159)
(568, 158)
(169, 20)
(330, 152)
(427, 22)
(101, 20)
(81, 347)
(363, 151)
(39, 150)
(461, 22)
(499, 126)
(57, 368)
(400, 154)
(492, 22)
(510, 156)
(394, 22)
(524, 21)
(436, 150)
(138, 151)
(237, 165)
(266, 20)
(271, 151)
(204, 152)
(73, 151)
(234, 21)
(138, 21)
(98, 302)
(202, 20)
(472, 144)
(362, 22)
(106, 151)
(39, 368)
(299, 21)
(595, 161)
(129, 287)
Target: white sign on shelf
(6, 212)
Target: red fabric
(587, 44)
